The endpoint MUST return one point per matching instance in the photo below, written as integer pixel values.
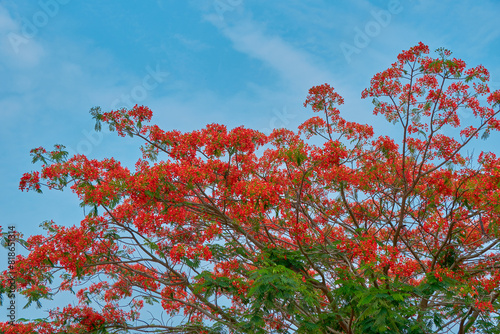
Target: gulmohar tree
(358, 235)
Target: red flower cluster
(294, 236)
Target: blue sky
(234, 62)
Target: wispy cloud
(193, 44)
(294, 66)
(16, 49)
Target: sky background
(232, 62)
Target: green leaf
(365, 300)
(49, 262)
(96, 114)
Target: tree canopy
(361, 234)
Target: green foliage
(281, 284)
(97, 115)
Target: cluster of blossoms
(365, 236)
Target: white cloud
(192, 44)
(293, 65)
(6, 22)
(16, 49)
